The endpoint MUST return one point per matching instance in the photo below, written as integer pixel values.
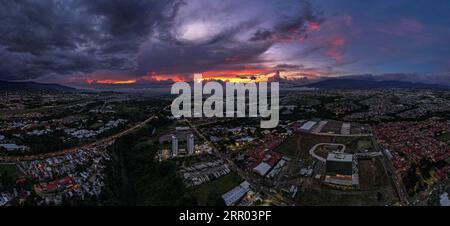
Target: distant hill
(348, 83)
(34, 86)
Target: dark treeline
(135, 178)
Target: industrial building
(341, 170)
(14, 147)
(190, 144)
(236, 193)
(262, 168)
(308, 126)
(174, 146)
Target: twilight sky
(143, 41)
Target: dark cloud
(291, 27)
(170, 58)
(68, 37)
(261, 35)
(45, 38)
(42, 37)
(240, 34)
(72, 40)
(288, 66)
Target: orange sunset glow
(237, 76)
(153, 76)
(116, 82)
(260, 75)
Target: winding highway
(390, 170)
(101, 142)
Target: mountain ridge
(361, 83)
(34, 86)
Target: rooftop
(340, 157)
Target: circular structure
(311, 151)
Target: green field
(329, 197)
(354, 144)
(96, 125)
(213, 190)
(290, 147)
(9, 170)
(444, 137)
(365, 143)
(300, 143)
(168, 128)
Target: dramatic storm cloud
(65, 39)
(212, 35)
(42, 38)
(145, 41)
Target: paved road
(100, 142)
(400, 187)
(254, 182)
(341, 135)
(16, 112)
(311, 151)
